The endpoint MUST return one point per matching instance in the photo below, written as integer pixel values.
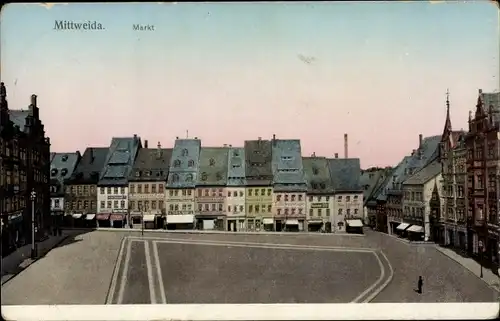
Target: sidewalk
(20, 259)
(403, 240)
(491, 279)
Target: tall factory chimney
(346, 147)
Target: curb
(110, 229)
(495, 287)
(35, 260)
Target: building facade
(259, 177)
(24, 168)
(210, 195)
(348, 194)
(80, 197)
(146, 187)
(112, 199)
(62, 166)
(236, 182)
(289, 187)
(417, 196)
(320, 196)
(181, 183)
(482, 143)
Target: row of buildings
(447, 190)
(264, 185)
(24, 174)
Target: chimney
(480, 91)
(313, 154)
(346, 147)
(420, 140)
(33, 100)
(135, 136)
(176, 137)
(336, 155)
(225, 145)
(260, 138)
(145, 143)
(230, 145)
(413, 152)
(195, 137)
(158, 151)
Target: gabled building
(146, 187)
(259, 177)
(427, 152)
(417, 196)
(370, 181)
(62, 167)
(113, 180)
(236, 182)
(483, 168)
(80, 197)
(181, 183)
(289, 187)
(348, 203)
(320, 196)
(211, 188)
(452, 156)
(24, 168)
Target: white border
(361, 311)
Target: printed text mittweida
(72, 25)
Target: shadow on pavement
(485, 262)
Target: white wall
(116, 207)
(233, 201)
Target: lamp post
(33, 249)
(142, 220)
(481, 247)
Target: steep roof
(288, 170)
(317, 174)
(212, 169)
(427, 173)
(151, 164)
(236, 167)
(369, 180)
(119, 161)
(258, 158)
(62, 167)
(91, 164)
(391, 180)
(184, 163)
(18, 117)
(345, 173)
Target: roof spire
(447, 125)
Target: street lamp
(142, 220)
(481, 247)
(33, 249)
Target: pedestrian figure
(420, 284)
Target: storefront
(12, 233)
(77, 220)
(117, 220)
(401, 229)
(235, 224)
(315, 225)
(268, 224)
(180, 222)
(102, 220)
(354, 226)
(57, 218)
(292, 225)
(90, 221)
(415, 233)
(149, 221)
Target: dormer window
(236, 153)
(64, 171)
(53, 172)
(177, 163)
(175, 178)
(65, 158)
(322, 185)
(218, 176)
(212, 162)
(204, 176)
(315, 171)
(189, 178)
(191, 163)
(185, 152)
(137, 173)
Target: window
(263, 192)
(310, 198)
(269, 208)
(139, 189)
(146, 188)
(327, 198)
(278, 197)
(109, 204)
(160, 205)
(189, 178)
(109, 190)
(212, 162)
(241, 208)
(293, 198)
(269, 191)
(311, 212)
(250, 192)
(204, 176)
(241, 194)
(207, 192)
(300, 197)
(191, 163)
(480, 181)
(184, 192)
(220, 207)
(103, 204)
(228, 193)
(183, 207)
(257, 208)
(355, 211)
(200, 207)
(348, 198)
(153, 205)
(122, 190)
(86, 204)
(175, 178)
(229, 208)
(115, 204)
(279, 211)
(355, 197)
(177, 163)
(340, 211)
(319, 198)
(213, 207)
(161, 188)
(220, 192)
(286, 197)
(131, 205)
(102, 190)
(122, 204)
(250, 208)
(185, 152)
(339, 199)
(327, 212)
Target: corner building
(80, 197)
(319, 206)
(146, 189)
(235, 197)
(211, 188)
(24, 167)
(289, 186)
(112, 199)
(259, 177)
(181, 184)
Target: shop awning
(416, 229)
(292, 222)
(180, 219)
(90, 217)
(102, 217)
(15, 218)
(135, 214)
(149, 218)
(402, 226)
(354, 223)
(268, 221)
(117, 217)
(315, 222)
(77, 215)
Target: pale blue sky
(230, 71)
